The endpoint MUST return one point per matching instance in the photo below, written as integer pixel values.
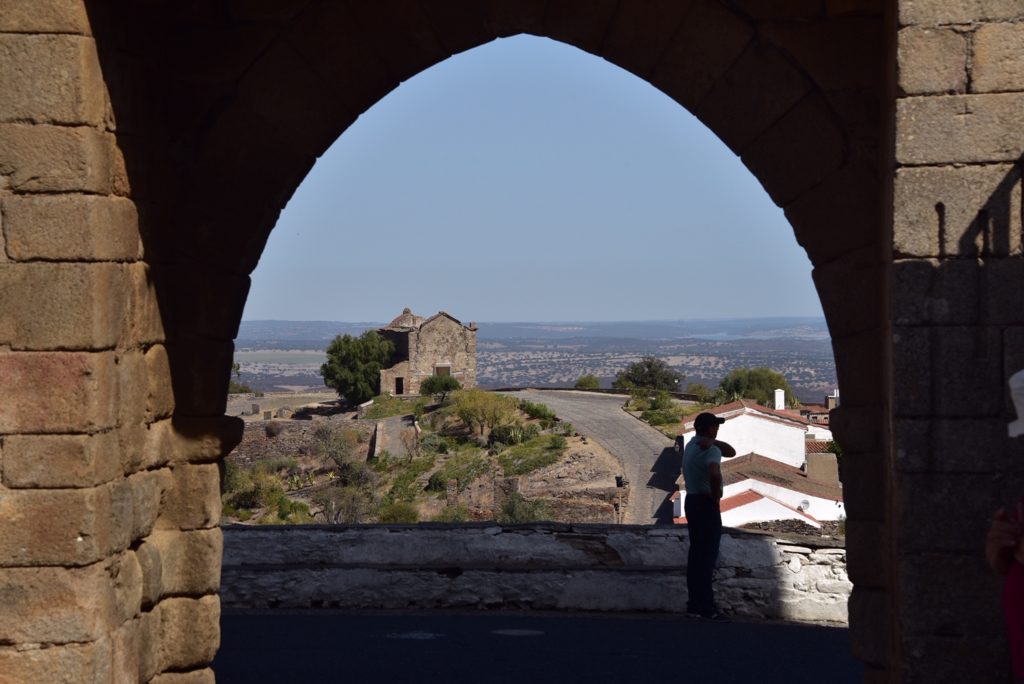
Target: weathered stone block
(851, 315)
(966, 371)
(859, 368)
(61, 306)
(754, 94)
(71, 228)
(953, 211)
(510, 17)
(131, 371)
(858, 429)
(160, 392)
(869, 609)
(200, 369)
(43, 16)
(87, 663)
(998, 63)
(57, 392)
(404, 39)
(330, 39)
(124, 657)
(193, 501)
(1004, 284)
(839, 215)
(42, 158)
(144, 325)
(205, 676)
(959, 601)
(64, 526)
(911, 351)
(931, 60)
(957, 11)
(948, 129)
(865, 483)
(307, 110)
(941, 658)
(147, 492)
(956, 445)
(933, 291)
(150, 563)
(190, 562)
(580, 23)
(31, 461)
(638, 34)
(838, 53)
(697, 58)
(56, 605)
(189, 632)
(920, 530)
(798, 9)
(48, 78)
(798, 152)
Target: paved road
(495, 648)
(648, 459)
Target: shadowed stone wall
(544, 566)
(146, 150)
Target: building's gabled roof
(748, 497)
(441, 314)
(768, 470)
(405, 321)
(746, 406)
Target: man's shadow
(663, 479)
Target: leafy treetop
(758, 384)
(649, 372)
(354, 364)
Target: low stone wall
(543, 566)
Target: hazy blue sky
(528, 180)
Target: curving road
(648, 458)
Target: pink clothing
(1013, 609)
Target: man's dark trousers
(705, 525)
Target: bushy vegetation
(482, 411)
(344, 504)
(398, 513)
(649, 372)
(537, 411)
(385, 406)
(539, 452)
(453, 514)
(354, 364)
(518, 509)
(588, 381)
(757, 384)
(516, 433)
(439, 386)
(463, 467)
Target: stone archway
(146, 151)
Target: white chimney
(780, 399)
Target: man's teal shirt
(695, 466)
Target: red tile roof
(748, 497)
(743, 406)
(816, 446)
(770, 471)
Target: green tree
(588, 381)
(758, 384)
(354, 364)
(649, 372)
(518, 509)
(439, 385)
(701, 391)
(235, 386)
(484, 410)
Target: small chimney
(832, 400)
(780, 399)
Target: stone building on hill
(439, 345)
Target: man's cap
(705, 420)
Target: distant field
(281, 357)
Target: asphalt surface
(532, 648)
(649, 461)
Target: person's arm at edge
(715, 478)
(1002, 537)
(725, 448)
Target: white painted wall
(762, 510)
(820, 509)
(819, 432)
(750, 433)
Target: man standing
(703, 480)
